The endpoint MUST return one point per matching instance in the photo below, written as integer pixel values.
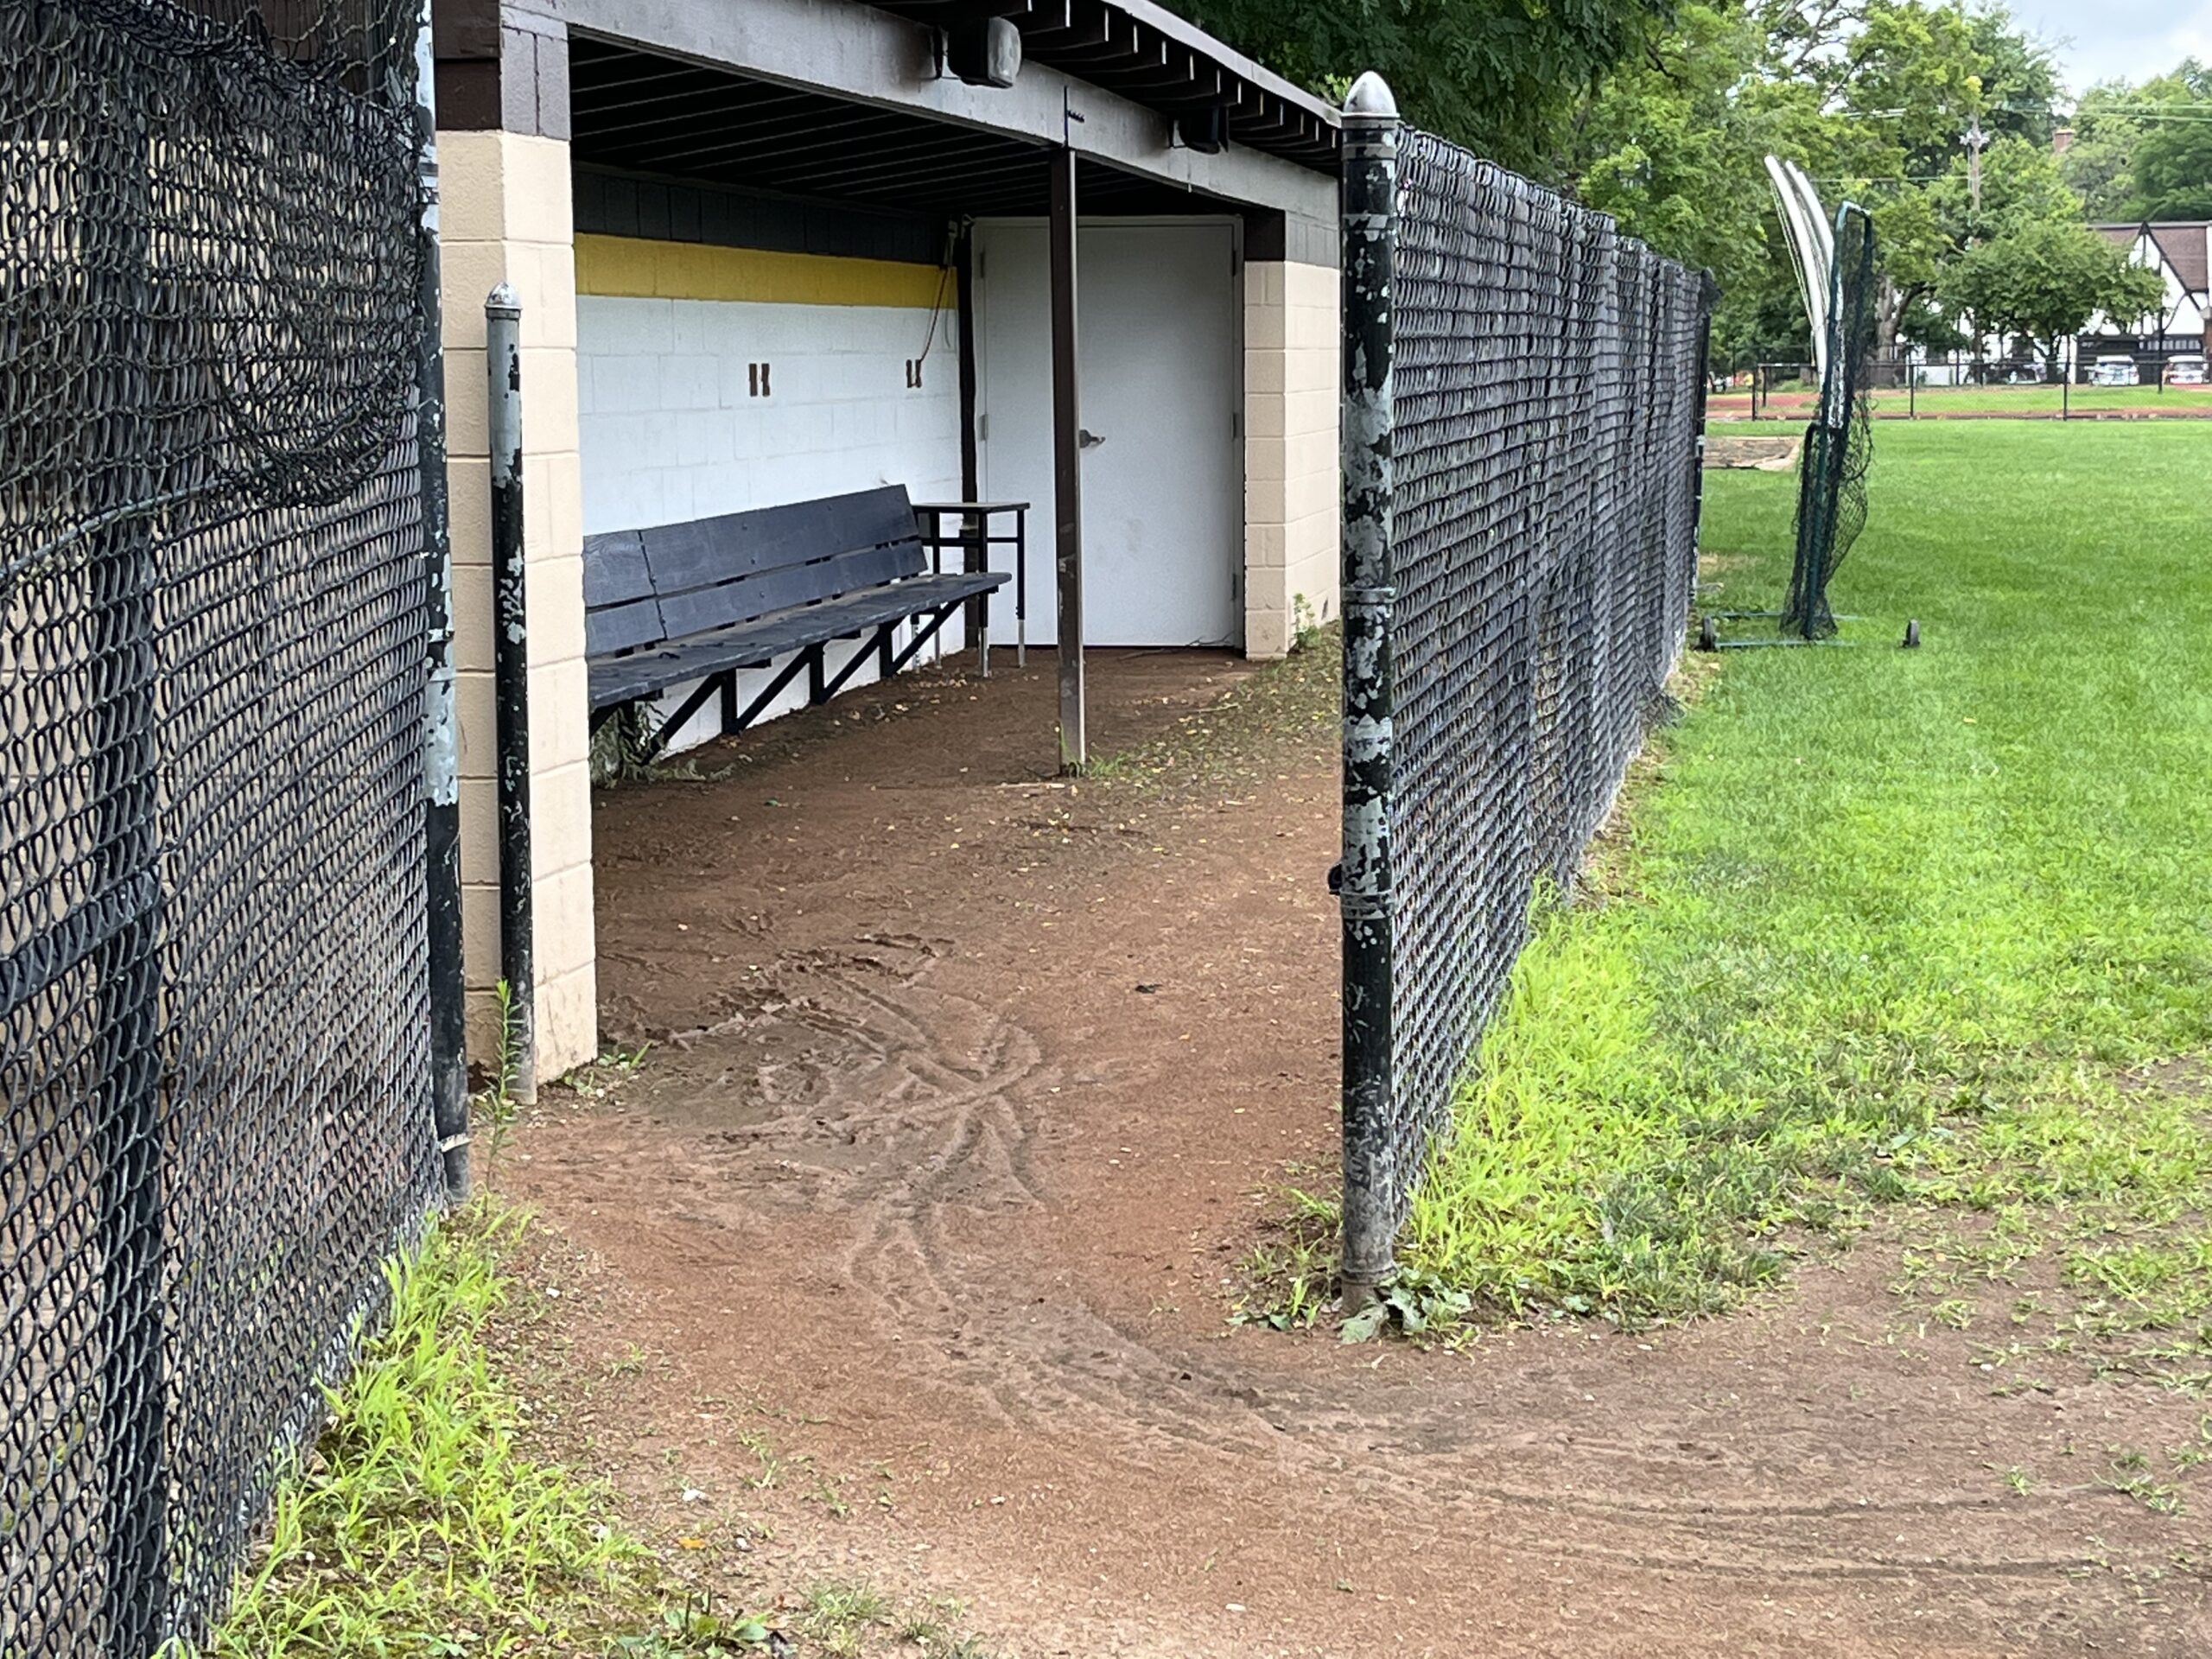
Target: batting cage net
(1840, 443)
(213, 593)
(1544, 411)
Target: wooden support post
(1067, 464)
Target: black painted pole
(441, 734)
(1067, 465)
(1370, 186)
(511, 685)
(1709, 293)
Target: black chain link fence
(213, 625)
(1544, 411)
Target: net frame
(1839, 445)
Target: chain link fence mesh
(1547, 410)
(213, 1020)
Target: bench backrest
(642, 587)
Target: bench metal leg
(785, 675)
(881, 643)
(938, 620)
(735, 719)
(676, 722)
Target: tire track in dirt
(881, 1135)
(957, 1126)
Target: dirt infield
(908, 1252)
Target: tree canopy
(2143, 150)
(1661, 112)
(1876, 100)
(2044, 279)
(1502, 77)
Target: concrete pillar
(1291, 398)
(506, 217)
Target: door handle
(1086, 439)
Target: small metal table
(975, 536)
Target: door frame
(1241, 595)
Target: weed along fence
(221, 615)
(1523, 417)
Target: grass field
(1932, 928)
(1930, 401)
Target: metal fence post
(1708, 294)
(1370, 184)
(441, 741)
(511, 685)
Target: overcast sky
(2097, 40)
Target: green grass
(427, 1521)
(2044, 401)
(1890, 926)
(420, 1526)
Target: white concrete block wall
(671, 431)
(1292, 512)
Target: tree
(2145, 151)
(1502, 77)
(2099, 163)
(1873, 97)
(2173, 157)
(1671, 151)
(2021, 184)
(2043, 280)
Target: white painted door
(1163, 516)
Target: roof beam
(864, 55)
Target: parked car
(2114, 372)
(2186, 371)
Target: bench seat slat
(621, 627)
(757, 642)
(700, 609)
(620, 609)
(712, 552)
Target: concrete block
(561, 908)
(560, 711)
(568, 1021)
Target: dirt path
(965, 1092)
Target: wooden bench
(708, 599)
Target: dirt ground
(908, 1251)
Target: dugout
(788, 249)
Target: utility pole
(1976, 141)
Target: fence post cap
(1370, 99)
(503, 302)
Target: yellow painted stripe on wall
(634, 268)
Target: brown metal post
(1067, 465)
(977, 556)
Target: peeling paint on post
(1371, 185)
(511, 685)
(441, 751)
